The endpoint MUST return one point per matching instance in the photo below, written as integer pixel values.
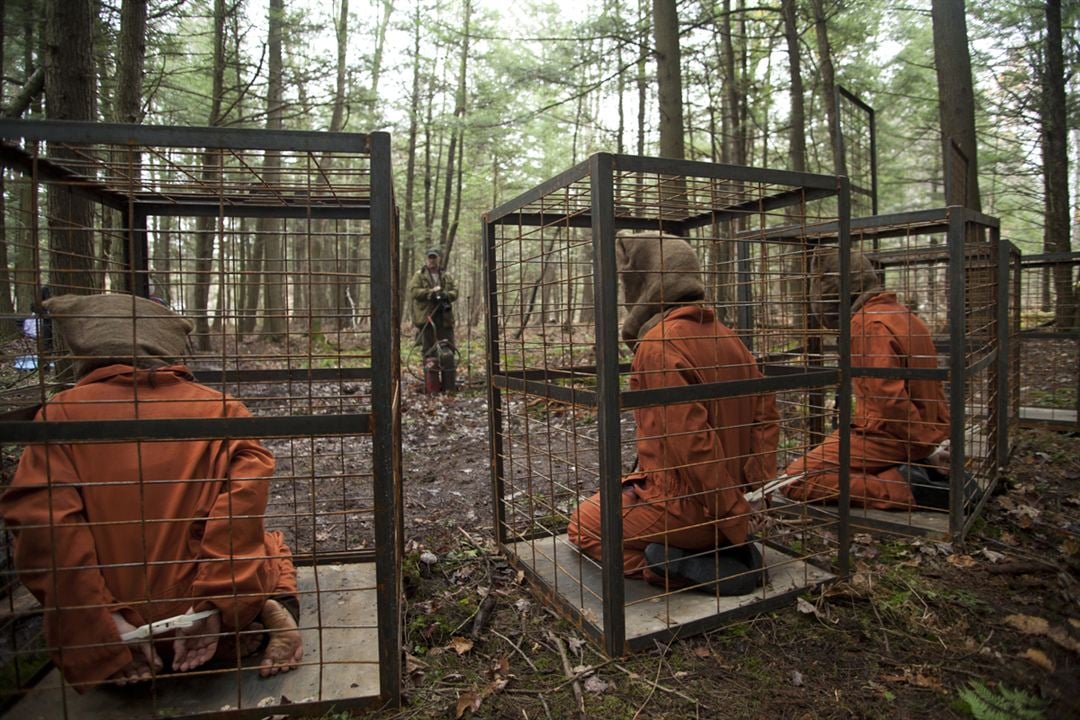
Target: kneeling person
(898, 425)
(684, 513)
(112, 536)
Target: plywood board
(1056, 416)
(928, 523)
(338, 625)
(648, 608)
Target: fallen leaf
(523, 605)
(992, 555)
(702, 652)
(460, 645)
(924, 681)
(413, 664)
(961, 561)
(1038, 657)
(796, 678)
(467, 702)
(805, 607)
(1062, 637)
(681, 675)
(575, 643)
(863, 539)
(595, 685)
(1028, 624)
(1069, 547)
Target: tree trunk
(828, 82)
(127, 107)
(797, 130)
(276, 321)
(457, 136)
(668, 78)
(69, 95)
(1056, 165)
(642, 77)
(6, 305)
(405, 266)
(206, 227)
(956, 101)
(377, 56)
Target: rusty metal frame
(383, 423)
(604, 218)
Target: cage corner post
(385, 394)
(602, 172)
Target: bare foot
(285, 648)
(232, 646)
(195, 645)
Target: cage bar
(1049, 322)
(564, 397)
(282, 248)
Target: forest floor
(920, 629)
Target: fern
(1005, 704)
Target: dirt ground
(920, 629)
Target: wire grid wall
(1050, 339)
(857, 150)
(944, 266)
(571, 416)
(278, 246)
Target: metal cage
(563, 395)
(1050, 338)
(947, 265)
(282, 247)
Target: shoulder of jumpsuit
(884, 302)
(688, 322)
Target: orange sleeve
(689, 445)
(884, 403)
(234, 572)
(57, 560)
(764, 439)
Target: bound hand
(145, 661)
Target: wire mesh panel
(930, 368)
(857, 150)
(1050, 337)
(644, 437)
(246, 480)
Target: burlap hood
(658, 272)
(103, 329)
(825, 282)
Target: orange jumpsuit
(695, 459)
(146, 529)
(895, 421)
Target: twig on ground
(662, 688)
(517, 648)
(570, 674)
(483, 614)
(654, 684)
(881, 623)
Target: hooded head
(825, 282)
(658, 272)
(103, 330)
